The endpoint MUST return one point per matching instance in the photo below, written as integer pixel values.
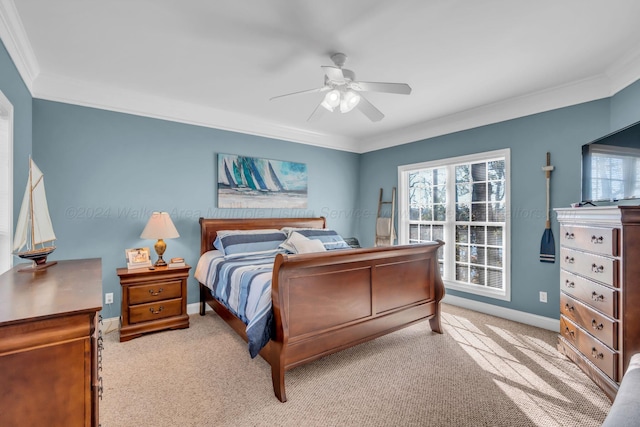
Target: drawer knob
(595, 325)
(569, 284)
(597, 268)
(569, 332)
(596, 297)
(569, 259)
(595, 354)
(597, 240)
(154, 311)
(569, 307)
(154, 293)
(569, 236)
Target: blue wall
(106, 172)
(14, 89)
(561, 132)
(625, 107)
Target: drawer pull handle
(595, 325)
(597, 269)
(569, 259)
(154, 311)
(569, 236)
(597, 240)
(595, 354)
(155, 294)
(596, 297)
(569, 307)
(569, 332)
(569, 284)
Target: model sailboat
(34, 228)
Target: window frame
(450, 222)
(6, 199)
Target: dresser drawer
(598, 296)
(599, 268)
(597, 324)
(600, 240)
(595, 351)
(156, 310)
(156, 291)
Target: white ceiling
(216, 63)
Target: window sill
(478, 290)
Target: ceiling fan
(344, 92)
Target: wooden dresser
(49, 345)
(600, 290)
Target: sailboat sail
(34, 213)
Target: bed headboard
(209, 226)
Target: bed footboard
(326, 302)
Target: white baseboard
(113, 323)
(505, 313)
(194, 308)
(109, 325)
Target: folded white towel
(383, 227)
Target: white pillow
(290, 243)
(309, 245)
(299, 244)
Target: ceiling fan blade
(399, 88)
(302, 92)
(369, 110)
(333, 73)
(317, 113)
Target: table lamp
(160, 227)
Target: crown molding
(625, 71)
(88, 94)
(17, 43)
(619, 75)
(589, 89)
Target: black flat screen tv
(611, 167)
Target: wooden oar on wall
(548, 245)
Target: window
(464, 202)
(6, 182)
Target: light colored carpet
(483, 371)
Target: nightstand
(153, 300)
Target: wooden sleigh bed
(326, 302)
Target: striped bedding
(242, 283)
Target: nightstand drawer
(592, 349)
(596, 267)
(597, 324)
(157, 291)
(593, 239)
(156, 310)
(598, 296)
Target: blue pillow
(231, 243)
(329, 238)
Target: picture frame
(252, 182)
(138, 257)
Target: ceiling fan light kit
(346, 100)
(343, 91)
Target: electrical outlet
(108, 298)
(543, 297)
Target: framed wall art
(251, 182)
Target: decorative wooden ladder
(385, 228)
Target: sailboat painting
(34, 232)
(251, 182)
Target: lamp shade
(159, 226)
